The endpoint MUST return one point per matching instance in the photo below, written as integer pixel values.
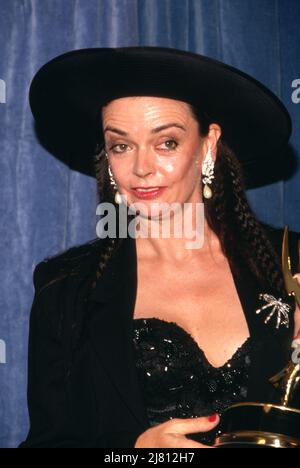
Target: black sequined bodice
(176, 378)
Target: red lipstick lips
(146, 193)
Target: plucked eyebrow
(154, 130)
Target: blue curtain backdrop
(45, 207)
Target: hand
(172, 434)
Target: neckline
(245, 289)
(195, 344)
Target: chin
(151, 212)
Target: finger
(193, 425)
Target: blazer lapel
(270, 346)
(110, 325)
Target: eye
(119, 145)
(171, 146)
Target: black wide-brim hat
(66, 96)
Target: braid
(242, 237)
(106, 254)
(105, 194)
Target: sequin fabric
(177, 380)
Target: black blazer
(83, 389)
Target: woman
(139, 341)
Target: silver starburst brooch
(281, 309)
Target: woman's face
(154, 142)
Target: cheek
(176, 168)
(121, 173)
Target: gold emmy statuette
(264, 425)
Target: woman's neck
(174, 248)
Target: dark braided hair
(106, 194)
(242, 237)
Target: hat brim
(66, 96)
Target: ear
(297, 313)
(213, 136)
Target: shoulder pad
(73, 261)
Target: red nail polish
(213, 418)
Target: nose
(144, 163)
